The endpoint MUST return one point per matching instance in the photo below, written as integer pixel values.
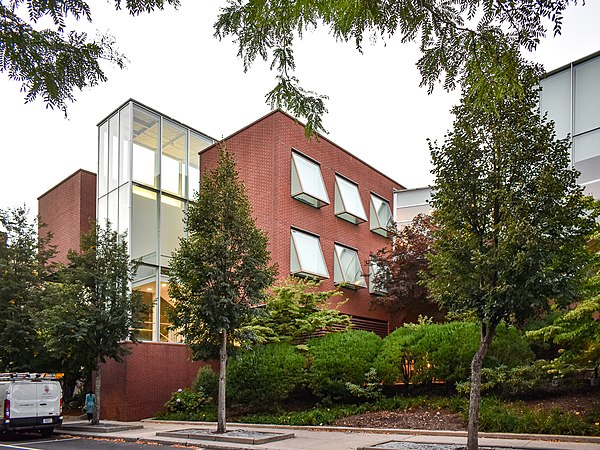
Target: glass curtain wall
(148, 170)
(571, 97)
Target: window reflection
(113, 152)
(346, 268)
(147, 290)
(197, 144)
(171, 226)
(166, 306)
(125, 145)
(307, 182)
(587, 96)
(380, 215)
(144, 225)
(103, 159)
(145, 146)
(113, 209)
(174, 145)
(375, 271)
(348, 205)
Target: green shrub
(510, 348)
(395, 354)
(340, 358)
(495, 416)
(187, 401)
(208, 382)
(539, 377)
(266, 375)
(444, 352)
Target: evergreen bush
(208, 382)
(426, 352)
(340, 358)
(266, 375)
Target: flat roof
(571, 64)
(319, 136)
(66, 179)
(155, 112)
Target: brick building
(323, 209)
(67, 210)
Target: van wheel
(47, 432)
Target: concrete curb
(407, 431)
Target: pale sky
(376, 109)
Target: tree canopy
(93, 310)
(512, 222)
(24, 269)
(402, 265)
(474, 42)
(220, 270)
(577, 329)
(295, 310)
(52, 62)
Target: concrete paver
(324, 438)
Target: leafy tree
(295, 310)
(24, 269)
(577, 330)
(94, 309)
(401, 266)
(474, 42)
(52, 62)
(512, 220)
(220, 270)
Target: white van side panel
(23, 399)
(48, 398)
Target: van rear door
(48, 398)
(23, 399)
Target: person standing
(90, 402)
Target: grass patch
(516, 417)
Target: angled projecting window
(307, 182)
(348, 205)
(346, 268)
(381, 215)
(306, 256)
(375, 279)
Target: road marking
(51, 441)
(17, 447)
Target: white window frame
(375, 220)
(307, 183)
(340, 274)
(348, 204)
(299, 266)
(373, 288)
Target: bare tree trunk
(487, 334)
(221, 421)
(96, 418)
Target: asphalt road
(56, 442)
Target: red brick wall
(263, 155)
(67, 210)
(138, 387)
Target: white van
(30, 401)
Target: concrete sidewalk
(320, 438)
